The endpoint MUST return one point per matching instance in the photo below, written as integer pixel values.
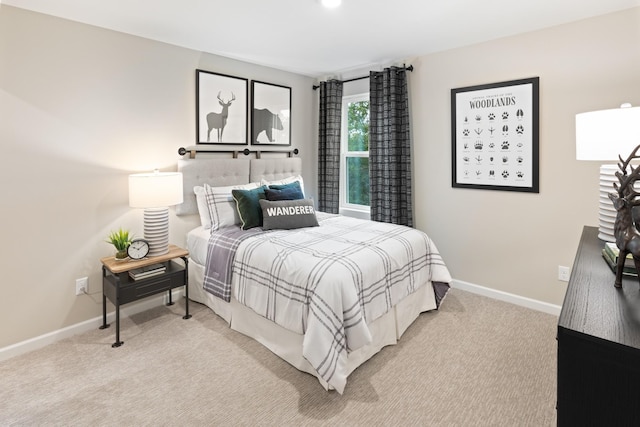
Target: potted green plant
(121, 240)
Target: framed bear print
(270, 114)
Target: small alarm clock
(138, 249)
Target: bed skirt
(386, 330)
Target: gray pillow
(288, 214)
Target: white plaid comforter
(328, 282)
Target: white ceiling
(303, 37)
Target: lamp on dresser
(155, 192)
(605, 135)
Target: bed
(325, 296)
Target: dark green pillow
(248, 206)
(288, 214)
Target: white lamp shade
(606, 134)
(155, 190)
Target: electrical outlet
(563, 273)
(82, 285)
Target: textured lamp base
(606, 212)
(156, 230)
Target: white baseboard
(507, 297)
(88, 325)
(131, 309)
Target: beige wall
(80, 109)
(514, 242)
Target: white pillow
(216, 205)
(287, 180)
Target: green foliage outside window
(358, 140)
(358, 180)
(358, 127)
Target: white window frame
(350, 209)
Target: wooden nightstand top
(128, 264)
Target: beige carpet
(475, 362)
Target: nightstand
(120, 288)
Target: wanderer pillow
(288, 214)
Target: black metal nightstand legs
(105, 325)
(186, 288)
(118, 343)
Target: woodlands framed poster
(495, 136)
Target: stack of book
(610, 254)
(148, 271)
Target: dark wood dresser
(598, 343)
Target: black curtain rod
(409, 68)
(182, 151)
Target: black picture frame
(221, 109)
(495, 136)
(270, 114)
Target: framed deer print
(494, 136)
(270, 114)
(221, 108)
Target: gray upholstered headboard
(272, 169)
(215, 172)
(224, 172)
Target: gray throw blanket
(220, 254)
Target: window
(354, 147)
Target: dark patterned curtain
(390, 147)
(329, 146)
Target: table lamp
(605, 135)
(155, 192)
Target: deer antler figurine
(624, 201)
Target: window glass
(358, 180)
(354, 171)
(358, 126)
